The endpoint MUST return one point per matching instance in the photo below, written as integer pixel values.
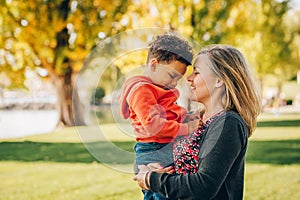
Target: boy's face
(166, 75)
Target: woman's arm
(224, 141)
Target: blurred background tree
(274, 55)
(267, 31)
(57, 35)
(97, 96)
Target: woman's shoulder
(230, 116)
(230, 119)
(226, 129)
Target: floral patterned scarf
(186, 149)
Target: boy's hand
(193, 115)
(193, 125)
(194, 120)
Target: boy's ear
(153, 63)
(219, 83)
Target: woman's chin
(192, 97)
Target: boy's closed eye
(172, 75)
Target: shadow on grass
(104, 152)
(280, 123)
(274, 152)
(268, 152)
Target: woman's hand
(156, 167)
(143, 177)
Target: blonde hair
(241, 92)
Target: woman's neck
(214, 104)
(209, 112)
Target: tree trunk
(70, 108)
(68, 104)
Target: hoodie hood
(128, 87)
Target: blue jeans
(148, 195)
(153, 152)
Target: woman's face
(203, 80)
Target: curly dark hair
(168, 47)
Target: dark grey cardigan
(221, 168)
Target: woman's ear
(153, 64)
(219, 83)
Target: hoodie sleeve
(152, 116)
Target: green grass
(274, 152)
(268, 152)
(59, 166)
(61, 181)
(272, 182)
(67, 152)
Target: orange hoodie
(152, 110)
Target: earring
(217, 85)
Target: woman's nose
(189, 78)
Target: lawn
(59, 166)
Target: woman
(210, 163)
